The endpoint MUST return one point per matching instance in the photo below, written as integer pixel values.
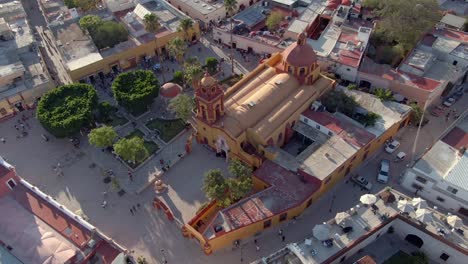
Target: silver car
(384, 171)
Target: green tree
(239, 188)
(141, 260)
(372, 4)
(131, 149)
(86, 5)
(273, 21)
(211, 65)
(151, 22)
(64, 110)
(177, 48)
(416, 113)
(70, 3)
(352, 86)
(90, 23)
(338, 101)
(102, 137)
(215, 186)
(193, 71)
(384, 94)
(231, 6)
(104, 111)
(182, 105)
(370, 119)
(406, 21)
(185, 25)
(238, 169)
(178, 77)
(135, 90)
(109, 34)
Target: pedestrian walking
(134, 209)
(3, 140)
(16, 127)
(283, 238)
(131, 211)
(280, 232)
(22, 126)
(257, 248)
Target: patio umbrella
(368, 199)
(424, 215)
(321, 232)
(342, 218)
(419, 203)
(454, 221)
(404, 206)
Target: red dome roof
(170, 90)
(300, 54)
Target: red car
(437, 111)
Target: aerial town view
(233, 131)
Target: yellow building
(83, 60)
(271, 120)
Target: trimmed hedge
(135, 90)
(64, 110)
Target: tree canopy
(185, 25)
(102, 137)
(192, 70)
(384, 94)
(239, 170)
(338, 101)
(211, 65)
(177, 48)
(273, 21)
(404, 21)
(151, 22)
(182, 105)
(178, 78)
(64, 110)
(135, 90)
(85, 5)
(231, 6)
(131, 149)
(416, 113)
(104, 33)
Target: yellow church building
(261, 109)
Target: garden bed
(168, 129)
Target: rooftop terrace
(365, 223)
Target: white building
(381, 231)
(441, 175)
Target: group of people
(452, 112)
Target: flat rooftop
(203, 6)
(364, 223)
(390, 112)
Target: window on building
(452, 190)
(317, 127)
(267, 224)
(306, 120)
(11, 183)
(421, 179)
(416, 186)
(283, 217)
(330, 133)
(444, 257)
(440, 199)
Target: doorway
(19, 106)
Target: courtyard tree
(215, 186)
(102, 137)
(90, 22)
(177, 48)
(193, 71)
(184, 26)
(338, 101)
(182, 105)
(404, 21)
(135, 90)
(238, 169)
(211, 65)
(131, 149)
(273, 21)
(64, 110)
(384, 94)
(109, 34)
(239, 188)
(85, 5)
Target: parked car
(384, 171)
(361, 181)
(449, 102)
(392, 146)
(457, 95)
(437, 111)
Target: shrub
(178, 78)
(211, 65)
(109, 34)
(135, 90)
(64, 110)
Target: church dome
(170, 90)
(300, 54)
(207, 80)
